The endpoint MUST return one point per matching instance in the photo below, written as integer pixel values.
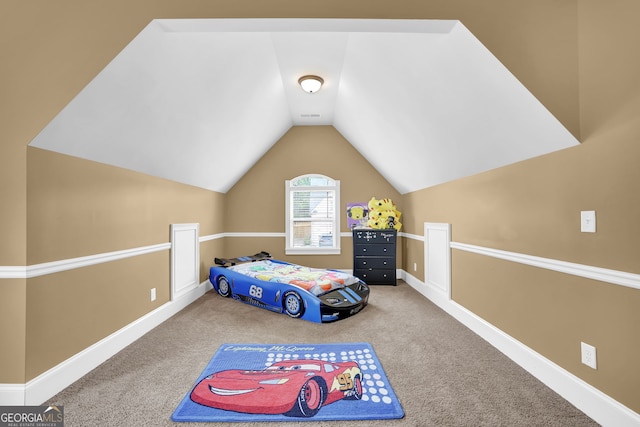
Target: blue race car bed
(312, 294)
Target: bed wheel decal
(224, 287)
(293, 304)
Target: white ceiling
(199, 101)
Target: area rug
(291, 382)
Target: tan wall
(534, 208)
(256, 203)
(69, 311)
(13, 304)
(79, 208)
(552, 313)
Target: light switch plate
(588, 221)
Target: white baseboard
(597, 405)
(56, 379)
(12, 394)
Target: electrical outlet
(588, 355)
(153, 294)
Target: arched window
(313, 218)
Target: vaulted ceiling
(199, 101)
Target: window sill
(312, 251)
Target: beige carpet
(443, 374)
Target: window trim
(323, 250)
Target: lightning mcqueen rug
(291, 382)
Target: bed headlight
(333, 301)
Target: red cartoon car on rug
(297, 388)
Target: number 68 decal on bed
(312, 294)
(255, 291)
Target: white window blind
(313, 220)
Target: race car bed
(312, 294)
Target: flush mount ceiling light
(310, 84)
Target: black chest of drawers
(374, 256)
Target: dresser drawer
(387, 277)
(374, 236)
(374, 250)
(375, 263)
